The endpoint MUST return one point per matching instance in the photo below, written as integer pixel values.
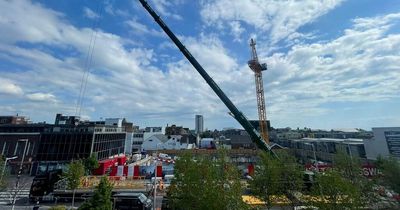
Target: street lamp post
(350, 153)
(5, 165)
(155, 178)
(19, 172)
(315, 156)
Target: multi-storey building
(386, 142)
(17, 138)
(324, 149)
(14, 120)
(199, 124)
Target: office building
(199, 124)
(14, 120)
(324, 149)
(17, 138)
(386, 142)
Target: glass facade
(64, 146)
(108, 144)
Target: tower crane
(238, 115)
(257, 68)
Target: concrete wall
(378, 145)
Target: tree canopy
(206, 183)
(91, 163)
(101, 199)
(276, 176)
(390, 168)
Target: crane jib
(239, 116)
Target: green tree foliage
(206, 183)
(350, 169)
(58, 208)
(73, 175)
(390, 168)
(91, 163)
(101, 199)
(334, 192)
(276, 176)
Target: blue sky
(332, 63)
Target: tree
(276, 176)
(334, 192)
(350, 169)
(73, 176)
(206, 183)
(390, 168)
(91, 163)
(101, 199)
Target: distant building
(324, 149)
(137, 140)
(150, 131)
(242, 142)
(199, 124)
(61, 144)
(176, 130)
(164, 142)
(14, 138)
(66, 120)
(114, 122)
(386, 142)
(14, 120)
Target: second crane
(257, 68)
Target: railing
(119, 182)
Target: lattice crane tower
(257, 68)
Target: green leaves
(390, 168)
(276, 177)
(335, 192)
(206, 183)
(74, 173)
(91, 163)
(101, 199)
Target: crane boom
(239, 116)
(257, 68)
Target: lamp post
(350, 153)
(19, 172)
(5, 165)
(315, 156)
(155, 178)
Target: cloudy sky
(331, 63)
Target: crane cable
(88, 61)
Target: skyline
(331, 64)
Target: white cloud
(141, 29)
(9, 87)
(90, 13)
(278, 18)
(164, 6)
(236, 30)
(44, 97)
(360, 65)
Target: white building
(199, 124)
(128, 143)
(161, 142)
(150, 131)
(386, 142)
(137, 140)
